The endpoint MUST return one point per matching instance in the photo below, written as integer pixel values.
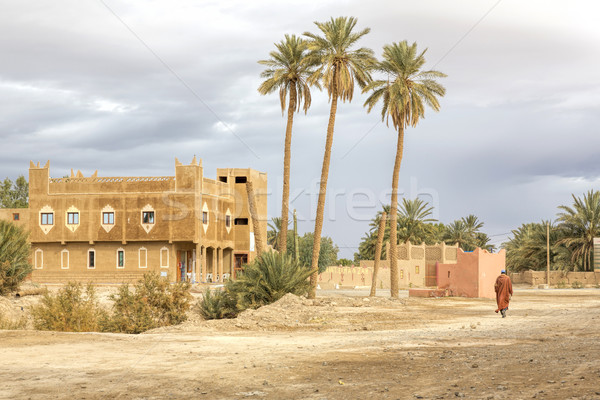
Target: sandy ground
(339, 346)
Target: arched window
(164, 257)
(64, 259)
(143, 257)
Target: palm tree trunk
(258, 237)
(380, 234)
(285, 199)
(394, 214)
(322, 191)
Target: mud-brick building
(114, 229)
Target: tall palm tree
(338, 68)
(458, 233)
(288, 70)
(581, 224)
(404, 94)
(472, 223)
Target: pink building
(473, 275)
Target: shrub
(577, 285)
(6, 324)
(561, 285)
(70, 310)
(267, 279)
(14, 257)
(217, 305)
(153, 303)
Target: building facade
(114, 229)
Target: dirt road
(334, 348)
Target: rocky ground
(335, 347)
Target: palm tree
(413, 220)
(273, 232)
(404, 94)
(288, 70)
(457, 232)
(472, 223)
(581, 224)
(338, 67)
(14, 256)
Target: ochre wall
(105, 269)
(7, 214)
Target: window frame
(46, 215)
(149, 214)
(205, 217)
(16, 217)
(162, 264)
(95, 260)
(120, 250)
(75, 215)
(140, 257)
(111, 219)
(62, 263)
(228, 221)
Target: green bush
(70, 310)
(577, 285)
(153, 303)
(561, 285)
(217, 305)
(14, 257)
(267, 279)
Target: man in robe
(503, 288)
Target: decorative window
(143, 257)
(64, 259)
(38, 262)
(120, 258)
(73, 218)
(15, 216)
(148, 218)
(228, 221)
(205, 217)
(164, 257)
(416, 269)
(91, 259)
(108, 218)
(47, 219)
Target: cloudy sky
(125, 87)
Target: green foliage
(217, 305)
(14, 195)
(577, 285)
(153, 303)
(70, 310)
(14, 256)
(344, 262)
(581, 223)
(327, 254)
(561, 284)
(335, 60)
(267, 279)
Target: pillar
(220, 263)
(203, 264)
(198, 264)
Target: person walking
(503, 288)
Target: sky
(126, 87)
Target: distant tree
(14, 195)
(527, 248)
(327, 253)
(580, 224)
(344, 261)
(273, 234)
(412, 222)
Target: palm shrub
(153, 303)
(267, 279)
(217, 305)
(14, 257)
(71, 310)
